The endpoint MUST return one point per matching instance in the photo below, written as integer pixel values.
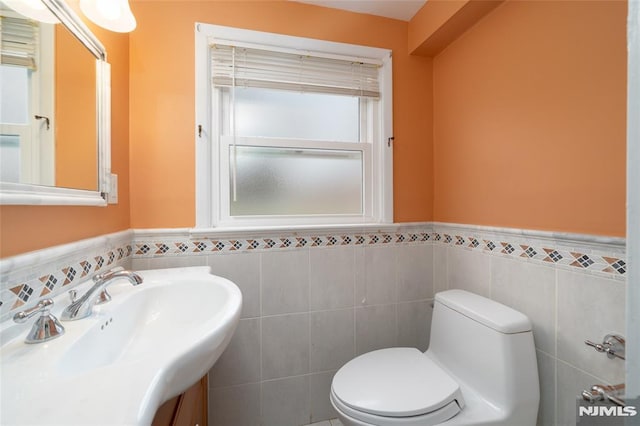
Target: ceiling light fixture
(32, 9)
(114, 15)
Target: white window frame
(44, 100)
(212, 194)
(37, 144)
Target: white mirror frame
(26, 194)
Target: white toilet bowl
(395, 386)
(480, 369)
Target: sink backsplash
(26, 279)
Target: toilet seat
(361, 418)
(396, 384)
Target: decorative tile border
(602, 255)
(598, 255)
(591, 254)
(27, 278)
(145, 246)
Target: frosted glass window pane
(14, 102)
(285, 114)
(9, 158)
(285, 181)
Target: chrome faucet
(82, 307)
(46, 326)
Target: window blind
(18, 42)
(252, 67)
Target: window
(291, 131)
(26, 153)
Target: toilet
(480, 369)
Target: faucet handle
(46, 327)
(44, 306)
(103, 297)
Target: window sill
(268, 231)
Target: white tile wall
(589, 308)
(235, 405)
(531, 289)
(377, 275)
(332, 422)
(319, 386)
(309, 309)
(332, 339)
(332, 278)
(547, 375)
(285, 346)
(468, 270)
(300, 351)
(376, 328)
(569, 381)
(414, 324)
(415, 275)
(306, 312)
(566, 307)
(244, 270)
(241, 362)
(285, 282)
(285, 401)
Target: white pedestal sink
(147, 345)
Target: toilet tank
(488, 347)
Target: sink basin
(149, 344)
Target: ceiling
(396, 9)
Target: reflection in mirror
(27, 81)
(75, 114)
(53, 120)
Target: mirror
(54, 107)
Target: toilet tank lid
(486, 311)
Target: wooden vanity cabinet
(187, 409)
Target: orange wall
(438, 23)
(27, 228)
(529, 113)
(527, 110)
(162, 99)
(429, 19)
